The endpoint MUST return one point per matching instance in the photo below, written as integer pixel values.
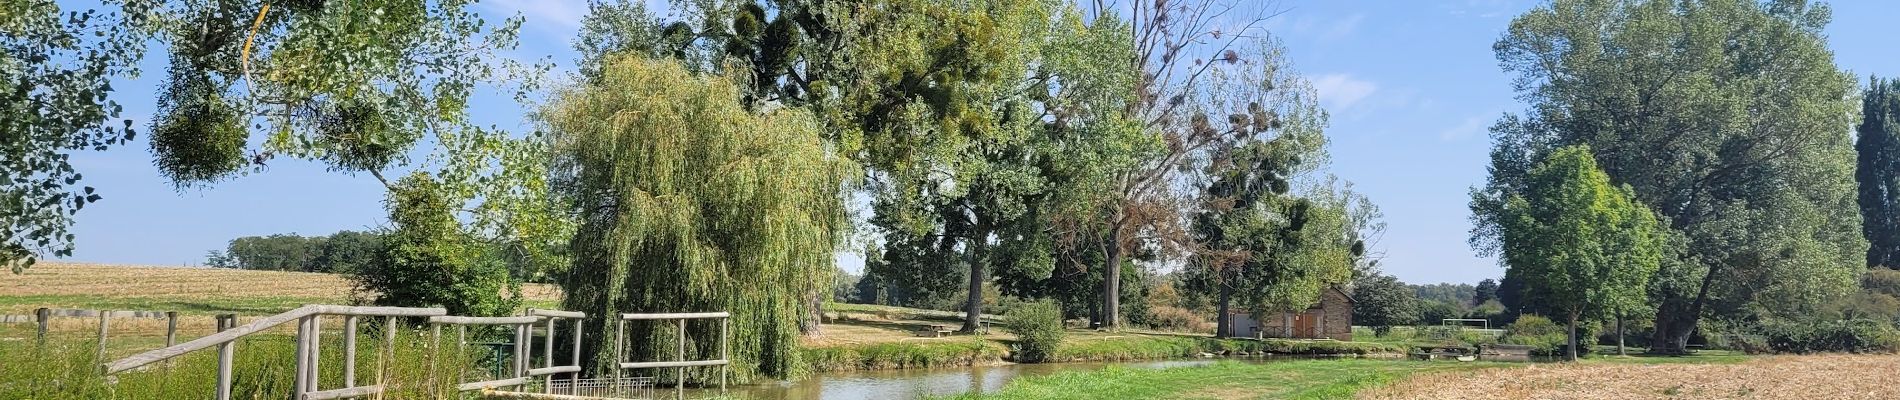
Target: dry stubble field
(184, 289)
(1774, 377)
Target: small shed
(1330, 318)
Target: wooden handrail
(703, 315)
(451, 320)
(143, 359)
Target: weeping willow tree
(688, 203)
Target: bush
(1038, 329)
(1177, 319)
(1546, 337)
(1854, 336)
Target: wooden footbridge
(518, 381)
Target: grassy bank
(68, 368)
(1153, 346)
(1311, 379)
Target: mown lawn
(1307, 379)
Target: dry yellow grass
(184, 289)
(1779, 377)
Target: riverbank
(861, 337)
(1309, 379)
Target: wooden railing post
(44, 315)
(574, 385)
(316, 353)
(104, 315)
(171, 328)
(679, 374)
(303, 357)
(725, 327)
(547, 353)
(226, 353)
(349, 351)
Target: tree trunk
(1675, 321)
(1570, 354)
(1619, 335)
(973, 307)
(1112, 285)
(812, 324)
(1224, 322)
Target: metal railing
(309, 329)
(523, 346)
(680, 362)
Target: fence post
(104, 315)
(547, 354)
(316, 353)
(44, 315)
(171, 328)
(226, 353)
(574, 387)
(386, 359)
(725, 327)
(349, 351)
(303, 356)
(679, 374)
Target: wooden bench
(934, 331)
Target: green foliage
(1546, 337)
(1881, 280)
(1381, 302)
(54, 101)
(1724, 116)
(1854, 335)
(67, 368)
(428, 261)
(1586, 246)
(952, 353)
(1487, 290)
(353, 85)
(1433, 312)
(1877, 148)
(688, 202)
(1038, 329)
(278, 252)
(1457, 294)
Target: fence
(679, 361)
(309, 326)
(522, 347)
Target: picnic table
(934, 330)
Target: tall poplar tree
(1878, 171)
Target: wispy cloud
(1471, 127)
(1344, 27)
(1340, 91)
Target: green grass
(68, 367)
(1144, 347)
(1310, 379)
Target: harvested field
(187, 290)
(1778, 377)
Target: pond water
(920, 383)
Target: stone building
(1331, 318)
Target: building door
(1306, 325)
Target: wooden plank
(516, 381)
(703, 315)
(452, 320)
(553, 370)
(362, 311)
(556, 313)
(350, 393)
(671, 364)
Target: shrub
(1546, 337)
(1178, 319)
(1038, 329)
(1856, 336)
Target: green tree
(427, 260)
(277, 252)
(1878, 171)
(1588, 244)
(1487, 290)
(1727, 117)
(1382, 302)
(55, 74)
(346, 251)
(689, 202)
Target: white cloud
(1471, 127)
(1340, 91)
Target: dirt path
(1780, 377)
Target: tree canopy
(1582, 243)
(1878, 171)
(1726, 117)
(689, 202)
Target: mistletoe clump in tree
(689, 202)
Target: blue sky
(1411, 85)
